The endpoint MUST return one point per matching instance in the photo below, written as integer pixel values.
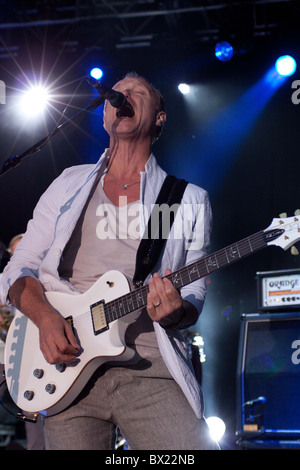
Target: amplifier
(268, 378)
(278, 290)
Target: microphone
(116, 99)
(256, 401)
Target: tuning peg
(297, 212)
(283, 215)
(294, 251)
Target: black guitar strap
(156, 233)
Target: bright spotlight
(285, 65)
(96, 73)
(224, 51)
(184, 88)
(34, 100)
(216, 427)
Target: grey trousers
(143, 400)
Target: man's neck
(128, 158)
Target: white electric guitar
(99, 318)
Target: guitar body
(37, 386)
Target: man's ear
(161, 118)
(103, 118)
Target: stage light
(216, 427)
(96, 73)
(224, 51)
(184, 88)
(34, 100)
(285, 65)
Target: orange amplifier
(278, 290)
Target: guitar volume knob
(50, 388)
(38, 373)
(28, 395)
(61, 367)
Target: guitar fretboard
(137, 299)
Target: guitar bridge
(98, 317)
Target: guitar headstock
(288, 231)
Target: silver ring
(158, 304)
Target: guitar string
(185, 275)
(116, 304)
(120, 303)
(251, 241)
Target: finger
(56, 348)
(153, 293)
(74, 346)
(159, 288)
(169, 295)
(153, 312)
(171, 292)
(170, 299)
(55, 354)
(65, 352)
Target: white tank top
(107, 237)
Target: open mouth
(125, 111)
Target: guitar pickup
(98, 317)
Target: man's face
(142, 99)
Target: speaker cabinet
(268, 378)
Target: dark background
(236, 135)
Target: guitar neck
(138, 297)
(217, 260)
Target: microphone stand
(15, 160)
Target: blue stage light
(285, 65)
(96, 73)
(224, 51)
